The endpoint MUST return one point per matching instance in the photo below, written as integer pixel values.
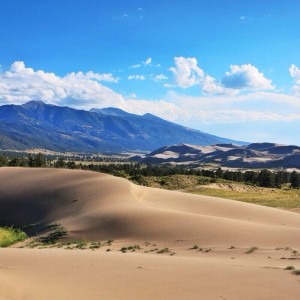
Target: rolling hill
(255, 155)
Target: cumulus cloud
(20, 84)
(186, 72)
(211, 86)
(136, 77)
(246, 77)
(295, 74)
(84, 90)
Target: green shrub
(10, 235)
(58, 233)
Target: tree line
(135, 171)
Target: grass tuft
(251, 250)
(195, 247)
(290, 268)
(164, 250)
(130, 248)
(58, 233)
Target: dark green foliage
(266, 178)
(18, 162)
(130, 248)
(37, 161)
(58, 233)
(60, 163)
(295, 180)
(3, 161)
(219, 173)
(71, 165)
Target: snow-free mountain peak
(39, 125)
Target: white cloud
(212, 87)
(101, 77)
(147, 61)
(238, 116)
(161, 108)
(295, 74)
(136, 77)
(186, 72)
(135, 66)
(20, 84)
(246, 77)
(160, 77)
(220, 106)
(257, 106)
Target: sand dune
(95, 206)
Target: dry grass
(263, 196)
(273, 197)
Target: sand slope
(95, 206)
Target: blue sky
(230, 68)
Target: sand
(98, 207)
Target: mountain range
(39, 125)
(255, 155)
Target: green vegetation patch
(172, 182)
(282, 198)
(57, 232)
(130, 248)
(10, 235)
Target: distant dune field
(98, 207)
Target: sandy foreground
(98, 207)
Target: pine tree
(295, 180)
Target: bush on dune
(10, 235)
